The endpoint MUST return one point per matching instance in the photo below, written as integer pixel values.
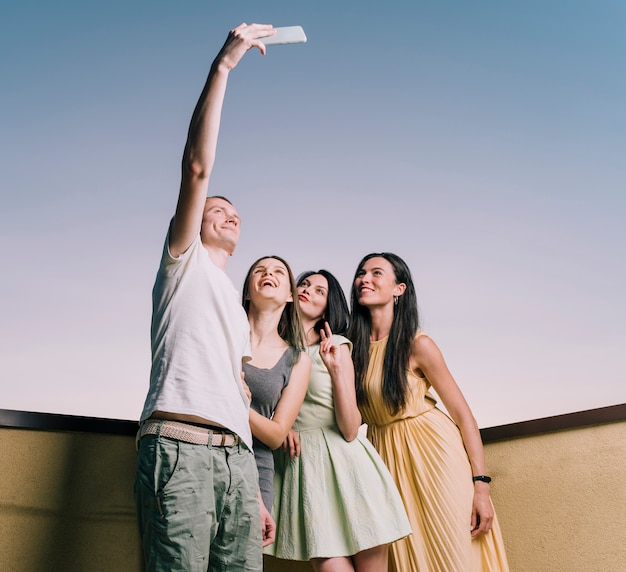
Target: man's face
(220, 224)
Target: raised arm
(338, 361)
(427, 358)
(200, 149)
(272, 432)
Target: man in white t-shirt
(196, 487)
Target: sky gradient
(483, 142)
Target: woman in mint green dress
(335, 502)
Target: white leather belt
(188, 433)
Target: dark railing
(555, 423)
(58, 422)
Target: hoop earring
(395, 300)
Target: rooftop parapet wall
(66, 496)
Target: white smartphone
(285, 35)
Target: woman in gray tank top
(278, 373)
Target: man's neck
(218, 255)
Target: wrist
(221, 65)
(481, 478)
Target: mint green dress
(337, 498)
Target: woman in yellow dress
(436, 460)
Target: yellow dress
(424, 452)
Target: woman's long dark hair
(337, 314)
(405, 325)
(290, 325)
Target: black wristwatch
(483, 478)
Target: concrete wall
(561, 499)
(66, 501)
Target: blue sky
(483, 142)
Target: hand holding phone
(285, 35)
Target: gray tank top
(266, 386)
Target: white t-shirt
(200, 335)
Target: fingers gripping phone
(285, 35)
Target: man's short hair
(220, 197)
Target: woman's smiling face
(269, 279)
(376, 283)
